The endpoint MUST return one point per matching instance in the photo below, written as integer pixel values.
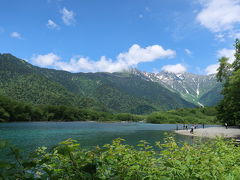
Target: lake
(30, 135)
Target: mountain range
(131, 91)
(201, 90)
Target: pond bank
(212, 132)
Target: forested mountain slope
(114, 92)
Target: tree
(229, 74)
(236, 63)
(4, 115)
(224, 69)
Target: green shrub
(205, 115)
(215, 159)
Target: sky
(109, 35)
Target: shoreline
(70, 121)
(211, 132)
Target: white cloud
(81, 64)
(51, 24)
(16, 35)
(219, 15)
(188, 52)
(229, 53)
(132, 58)
(136, 54)
(177, 68)
(211, 69)
(45, 60)
(68, 16)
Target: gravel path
(212, 132)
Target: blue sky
(107, 35)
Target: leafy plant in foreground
(215, 159)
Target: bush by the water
(215, 159)
(203, 115)
(11, 110)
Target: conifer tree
(229, 74)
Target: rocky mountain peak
(190, 86)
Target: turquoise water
(30, 135)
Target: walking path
(212, 132)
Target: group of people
(193, 126)
(185, 126)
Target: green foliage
(224, 69)
(215, 159)
(206, 115)
(11, 110)
(236, 63)
(229, 107)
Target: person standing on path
(226, 125)
(192, 127)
